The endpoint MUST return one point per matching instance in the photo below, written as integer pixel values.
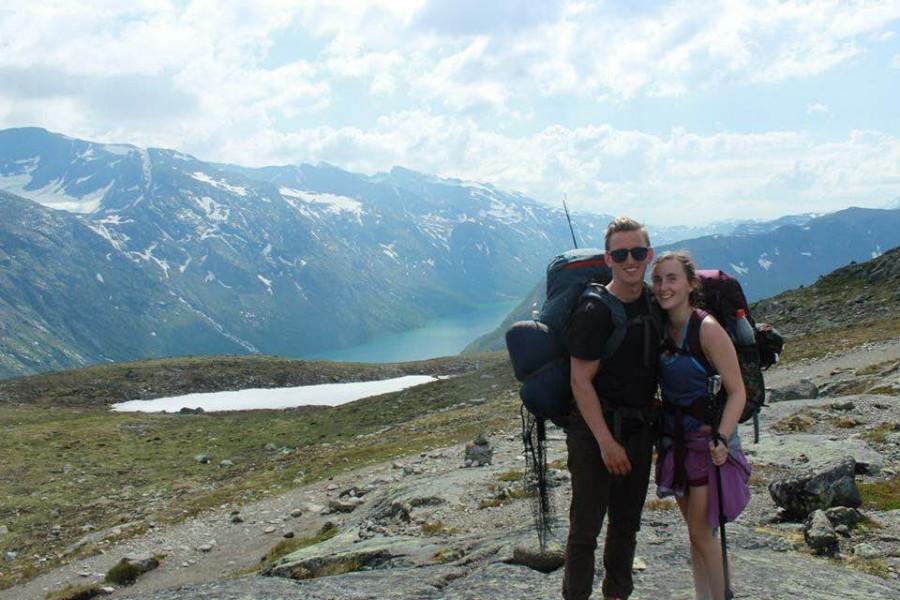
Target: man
(610, 433)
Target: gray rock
(226, 463)
(191, 411)
(867, 551)
(201, 458)
(832, 485)
(796, 391)
(547, 561)
(140, 563)
(479, 452)
(843, 406)
(344, 506)
(819, 534)
(842, 515)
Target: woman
(688, 452)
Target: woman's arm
(719, 350)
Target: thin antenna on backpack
(569, 219)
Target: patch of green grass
(437, 528)
(447, 555)
(76, 592)
(88, 465)
(881, 495)
(818, 344)
(879, 434)
(660, 504)
(512, 475)
(559, 463)
(123, 573)
(845, 422)
(872, 566)
(796, 423)
(287, 546)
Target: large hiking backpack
(723, 298)
(537, 348)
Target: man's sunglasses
(621, 254)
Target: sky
(676, 112)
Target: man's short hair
(625, 224)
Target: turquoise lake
(446, 336)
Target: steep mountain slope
(296, 260)
(283, 260)
(67, 298)
(856, 303)
(772, 261)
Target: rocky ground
(428, 527)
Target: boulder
(819, 534)
(841, 515)
(832, 485)
(479, 452)
(795, 391)
(547, 561)
(867, 551)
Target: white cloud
(459, 91)
(817, 108)
(604, 169)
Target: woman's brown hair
(695, 298)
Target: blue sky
(674, 112)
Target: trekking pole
(714, 384)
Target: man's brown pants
(594, 494)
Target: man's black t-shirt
(623, 380)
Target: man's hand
(615, 458)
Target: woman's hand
(718, 451)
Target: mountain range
(113, 252)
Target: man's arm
(582, 377)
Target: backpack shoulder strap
(692, 339)
(599, 292)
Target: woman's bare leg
(698, 566)
(705, 544)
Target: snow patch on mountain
(332, 203)
(218, 327)
(221, 185)
(764, 261)
(266, 282)
(390, 251)
(214, 211)
(741, 269)
(503, 212)
(53, 194)
(118, 149)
